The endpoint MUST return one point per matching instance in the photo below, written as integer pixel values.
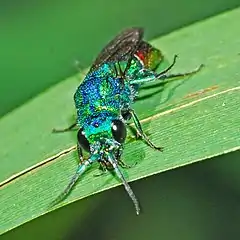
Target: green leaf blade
(199, 120)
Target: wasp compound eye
(119, 131)
(82, 140)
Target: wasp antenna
(126, 185)
(80, 170)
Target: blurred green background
(40, 41)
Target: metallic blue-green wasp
(104, 103)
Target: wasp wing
(122, 47)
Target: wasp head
(103, 139)
(102, 136)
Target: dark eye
(82, 140)
(119, 131)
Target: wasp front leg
(141, 132)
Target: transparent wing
(122, 47)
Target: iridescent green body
(102, 96)
(99, 99)
(104, 103)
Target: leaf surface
(193, 119)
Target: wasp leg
(80, 154)
(134, 135)
(79, 172)
(163, 76)
(100, 174)
(70, 128)
(120, 162)
(140, 130)
(103, 170)
(125, 183)
(78, 66)
(124, 165)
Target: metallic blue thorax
(101, 96)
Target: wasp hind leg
(164, 76)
